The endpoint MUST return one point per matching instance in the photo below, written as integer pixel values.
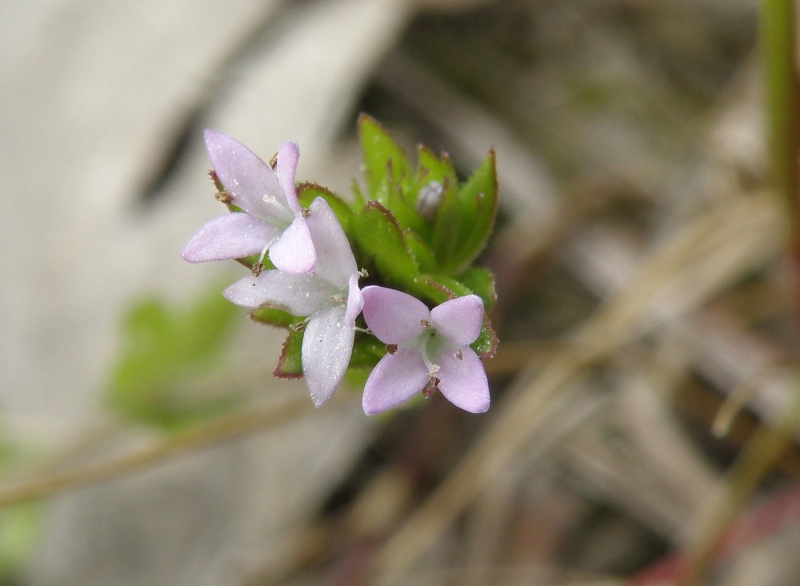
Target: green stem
(778, 50)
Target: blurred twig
(222, 429)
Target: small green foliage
(382, 156)
(308, 192)
(425, 253)
(274, 317)
(480, 281)
(290, 364)
(20, 525)
(367, 350)
(377, 234)
(162, 348)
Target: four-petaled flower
(427, 350)
(329, 296)
(273, 219)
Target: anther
(424, 323)
(459, 355)
(257, 268)
(305, 212)
(391, 348)
(431, 387)
(223, 197)
(273, 162)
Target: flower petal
(300, 295)
(355, 301)
(285, 169)
(229, 236)
(394, 380)
(246, 177)
(459, 319)
(335, 262)
(294, 252)
(326, 350)
(463, 381)
(393, 316)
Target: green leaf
(421, 252)
(274, 317)
(20, 530)
(290, 364)
(378, 235)
(165, 347)
(308, 192)
(432, 168)
(381, 155)
(358, 197)
(478, 208)
(447, 228)
(486, 344)
(480, 281)
(367, 350)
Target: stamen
(425, 323)
(273, 162)
(363, 273)
(459, 355)
(431, 387)
(223, 197)
(264, 253)
(305, 212)
(337, 298)
(391, 348)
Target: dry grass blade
(205, 435)
(734, 238)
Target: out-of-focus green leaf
(21, 524)
(20, 527)
(164, 347)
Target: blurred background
(644, 393)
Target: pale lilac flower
(329, 296)
(273, 219)
(427, 349)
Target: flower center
(431, 345)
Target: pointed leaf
(447, 228)
(421, 252)
(308, 192)
(376, 232)
(480, 281)
(290, 364)
(381, 154)
(479, 208)
(274, 317)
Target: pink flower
(273, 219)
(329, 296)
(427, 350)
